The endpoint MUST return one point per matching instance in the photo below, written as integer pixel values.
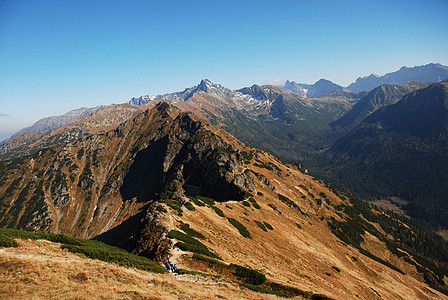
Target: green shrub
(100, 251)
(6, 241)
(263, 290)
(274, 208)
(259, 193)
(320, 297)
(222, 150)
(185, 271)
(158, 208)
(218, 211)
(298, 226)
(261, 225)
(90, 248)
(248, 275)
(174, 234)
(289, 202)
(188, 243)
(268, 226)
(263, 165)
(246, 203)
(246, 155)
(177, 206)
(206, 200)
(200, 249)
(254, 203)
(209, 260)
(336, 269)
(197, 201)
(189, 206)
(186, 228)
(243, 231)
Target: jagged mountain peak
(207, 86)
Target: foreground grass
(89, 248)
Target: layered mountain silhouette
(377, 98)
(400, 150)
(429, 72)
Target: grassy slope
(40, 269)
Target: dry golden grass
(305, 258)
(41, 270)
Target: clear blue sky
(60, 55)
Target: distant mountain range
(315, 90)
(52, 123)
(430, 72)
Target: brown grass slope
(42, 270)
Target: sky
(56, 56)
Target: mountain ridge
(399, 150)
(379, 97)
(430, 72)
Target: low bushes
(218, 211)
(289, 202)
(90, 248)
(98, 250)
(240, 227)
(6, 241)
(188, 243)
(261, 225)
(191, 232)
(248, 275)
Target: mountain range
(166, 177)
(429, 72)
(184, 174)
(320, 88)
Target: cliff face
(89, 187)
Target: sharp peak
(323, 80)
(206, 81)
